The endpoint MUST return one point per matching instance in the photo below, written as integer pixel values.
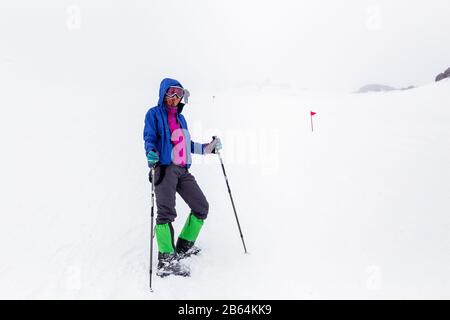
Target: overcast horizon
(214, 45)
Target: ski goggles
(175, 91)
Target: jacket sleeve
(198, 148)
(150, 132)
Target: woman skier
(168, 147)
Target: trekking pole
(152, 172)
(231, 197)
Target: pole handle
(214, 137)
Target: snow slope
(356, 209)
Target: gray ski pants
(177, 179)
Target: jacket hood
(165, 84)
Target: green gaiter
(164, 238)
(191, 228)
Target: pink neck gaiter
(177, 137)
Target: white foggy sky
(324, 44)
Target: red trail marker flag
(312, 113)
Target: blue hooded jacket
(157, 132)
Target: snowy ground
(357, 209)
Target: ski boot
(168, 264)
(186, 248)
